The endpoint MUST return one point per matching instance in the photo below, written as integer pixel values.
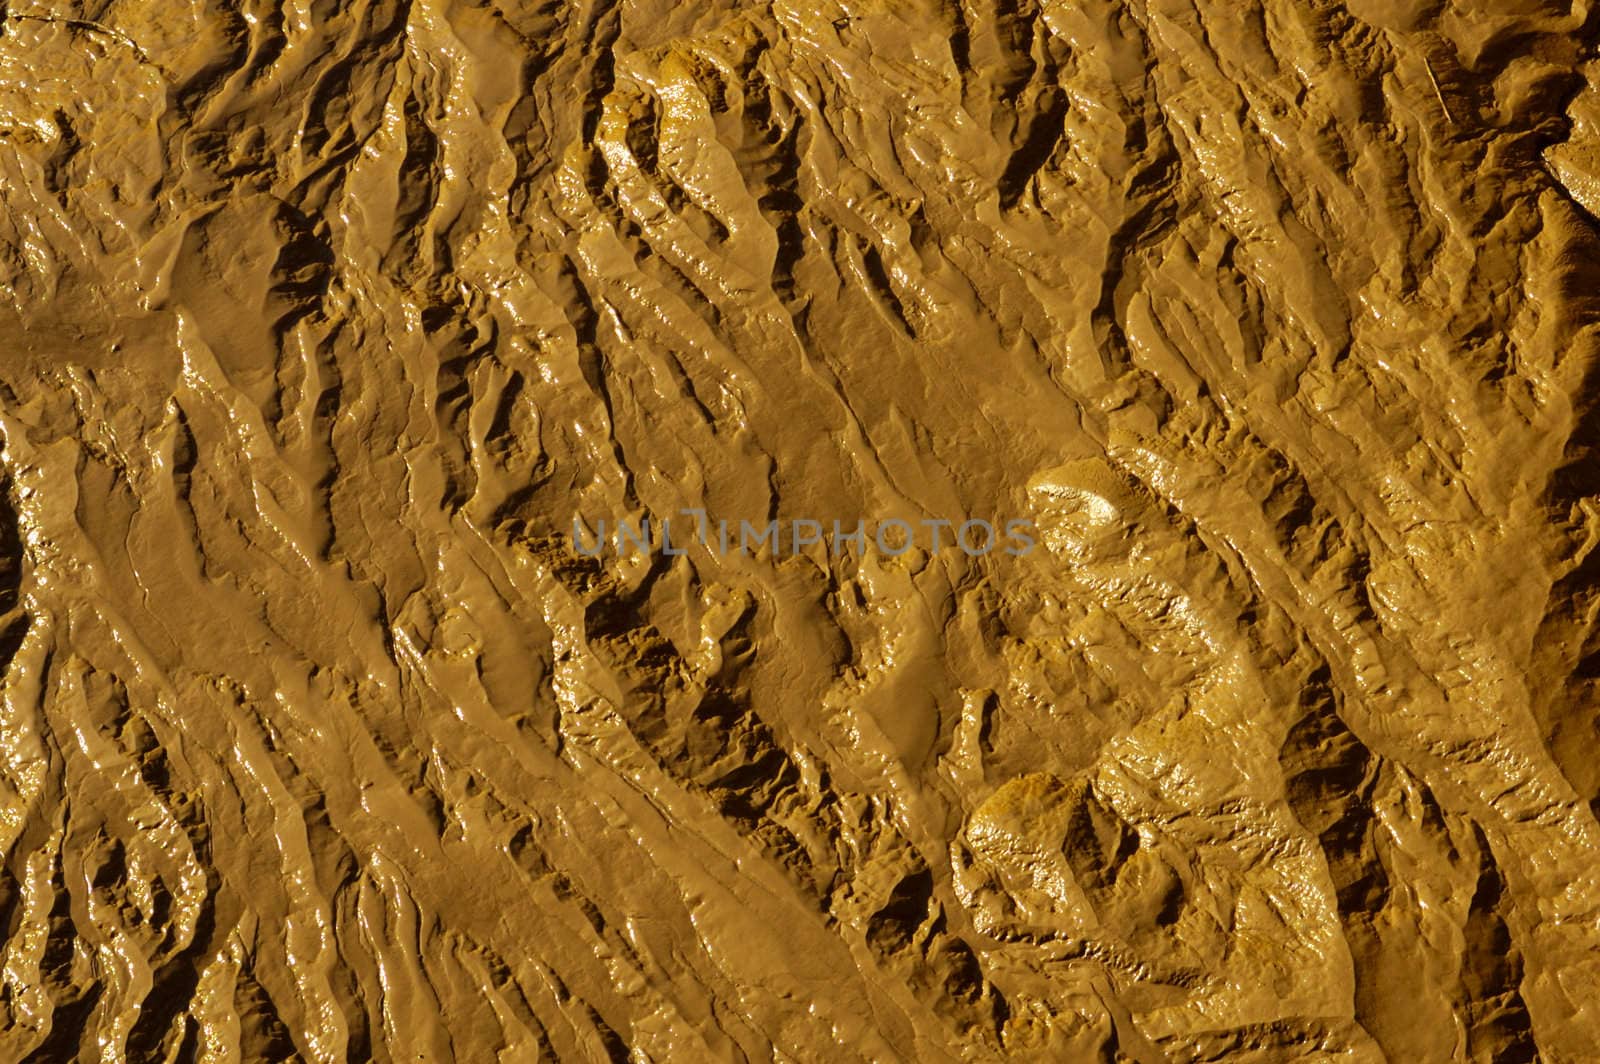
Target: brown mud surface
(1276, 319)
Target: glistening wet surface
(326, 329)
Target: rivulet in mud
(323, 325)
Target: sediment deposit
(321, 323)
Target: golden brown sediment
(320, 322)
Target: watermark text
(673, 536)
